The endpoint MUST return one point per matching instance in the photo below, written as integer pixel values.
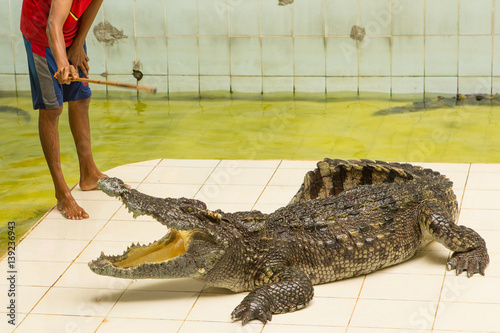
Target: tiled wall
(253, 46)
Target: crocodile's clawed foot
(474, 261)
(250, 310)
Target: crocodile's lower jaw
(172, 245)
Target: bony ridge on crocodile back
(348, 218)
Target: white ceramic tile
(277, 84)
(425, 262)
(124, 215)
(5, 18)
(319, 311)
(7, 327)
(341, 56)
(229, 193)
(467, 317)
(267, 208)
(244, 18)
(187, 175)
(475, 17)
(93, 251)
(438, 24)
(214, 55)
(371, 85)
(77, 302)
(288, 177)
(7, 82)
(112, 325)
(441, 85)
(169, 190)
(58, 229)
(375, 56)
(133, 231)
(241, 176)
(79, 275)
(29, 273)
(309, 18)
(186, 285)
(348, 288)
(49, 250)
(182, 55)
(246, 84)
(26, 298)
(188, 85)
(342, 87)
(158, 305)
(474, 85)
(177, 14)
(204, 309)
(441, 55)
(277, 56)
(480, 219)
(54, 323)
(152, 52)
(444, 168)
(215, 86)
(131, 173)
(479, 167)
(407, 85)
(381, 330)
(278, 194)
(276, 20)
(216, 327)
(274, 328)
(310, 85)
(101, 210)
(212, 18)
(407, 56)
(246, 56)
(7, 66)
(481, 199)
(192, 163)
(375, 16)
(491, 237)
(257, 164)
(411, 287)
(476, 60)
(342, 15)
(404, 314)
(478, 289)
(294, 164)
(309, 56)
(408, 17)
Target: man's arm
(76, 53)
(59, 11)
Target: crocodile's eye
(187, 209)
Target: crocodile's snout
(112, 186)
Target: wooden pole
(113, 83)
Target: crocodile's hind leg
(285, 289)
(470, 253)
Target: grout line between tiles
(355, 304)
(267, 184)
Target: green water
(128, 130)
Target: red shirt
(34, 17)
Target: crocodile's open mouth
(174, 244)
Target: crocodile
(443, 102)
(348, 218)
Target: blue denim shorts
(46, 91)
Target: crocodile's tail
(331, 177)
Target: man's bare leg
(48, 122)
(80, 128)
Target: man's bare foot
(71, 210)
(89, 183)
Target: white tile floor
(58, 293)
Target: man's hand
(64, 74)
(78, 58)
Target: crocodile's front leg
(288, 289)
(470, 253)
